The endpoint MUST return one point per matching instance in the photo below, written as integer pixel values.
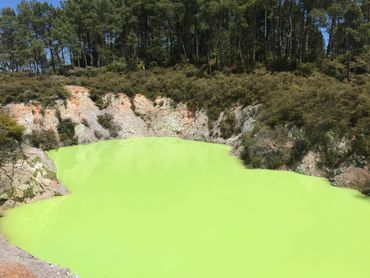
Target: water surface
(167, 208)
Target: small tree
(11, 135)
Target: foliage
(11, 136)
(9, 130)
(22, 87)
(266, 148)
(44, 139)
(366, 189)
(216, 35)
(106, 121)
(66, 131)
(119, 66)
(334, 69)
(300, 148)
(228, 125)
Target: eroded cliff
(79, 120)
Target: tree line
(216, 34)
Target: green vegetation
(46, 139)
(228, 125)
(107, 122)
(266, 148)
(234, 36)
(326, 111)
(22, 87)
(316, 113)
(66, 131)
(367, 188)
(9, 130)
(11, 136)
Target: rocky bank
(30, 178)
(15, 263)
(120, 116)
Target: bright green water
(166, 208)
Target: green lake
(169, 208)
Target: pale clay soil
(15, 263)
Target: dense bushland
(22, 87)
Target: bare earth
(15, 263)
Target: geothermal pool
(168, 208)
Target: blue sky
(13, 3)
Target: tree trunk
(265, 32)
(330, 42)
(52, 59)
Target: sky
(13, 3)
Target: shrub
(361, 64)
(306, 69)
(106, 121)
(9, 129)
(298, 151)
(66, 131)
(119, 66)
(88, 72)
(266, 148)
(98, 99)
(366, 189)
(85, 123)
(44, 139)
(98, 135)
(23, 87)
(228, 125)
(334, 69)
(11, 137)
(282, 64)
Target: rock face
(353, 177)
(30, 178)
(133, 117)
(309, 165)
(123, 117)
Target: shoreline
(15, 262)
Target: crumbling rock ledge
(17, 263)
(119, 116)
(31, 178)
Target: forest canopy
(215, 34)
